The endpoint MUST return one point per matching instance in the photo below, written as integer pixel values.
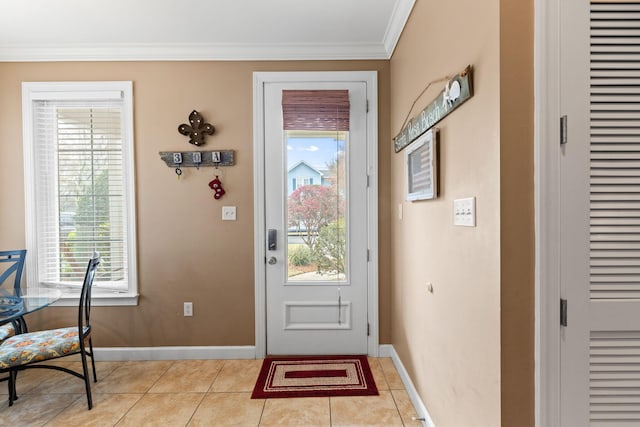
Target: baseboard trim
(174, 353)
(387, 350)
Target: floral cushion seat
(7, 331)
(33, 347)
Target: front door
(316, 227)
(600, 213)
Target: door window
(315, 210)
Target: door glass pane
(316, 206)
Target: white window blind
(80, 149)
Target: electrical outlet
(188, 309)
(228, 213)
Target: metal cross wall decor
(196, 129)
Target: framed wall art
(421, 166)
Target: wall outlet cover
(228, 213)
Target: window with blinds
(80, 148)
(319, 110)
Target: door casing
(548, 211)
(259, 79)
(547, 218)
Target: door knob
(272, 260)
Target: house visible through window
(79, 186)
(316, 127)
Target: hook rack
(186, 159)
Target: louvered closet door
(614, 307)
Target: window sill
(99, 299)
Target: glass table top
(15, 303)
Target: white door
(600, 213)
(316, 200)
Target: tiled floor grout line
(204, 395)
(264, 403)
(121, 418)
(395, 402)
(142, 395)
(128, 410)
(330, 414)
(210, 389)
(58, 413)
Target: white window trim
(32, 91)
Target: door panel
(600, 174)
(316, 277)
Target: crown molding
(192, 52)
(398, 20)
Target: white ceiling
(64, 30)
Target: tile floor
(193, 393)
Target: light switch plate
(228, 213)
(464, 212)
(188, 309)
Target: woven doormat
(314, 376)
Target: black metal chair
(15, 261)
(26, 350)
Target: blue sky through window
(317, 151)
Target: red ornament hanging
(216, 186)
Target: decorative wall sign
(457, 90)
(421, 164)
(196, 129)
(198, 158)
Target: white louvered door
(608, 327)
(614, 311)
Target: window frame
(38, 91)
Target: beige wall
(517, 237)
(185, 251)
(471, 366)
(468, 346)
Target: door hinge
(563, 130)
(367, 105)
(368, 255)
(368, 329)
(563, 312)
(368, 182)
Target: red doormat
(314, 376)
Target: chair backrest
(15, 260)
(84, 307)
